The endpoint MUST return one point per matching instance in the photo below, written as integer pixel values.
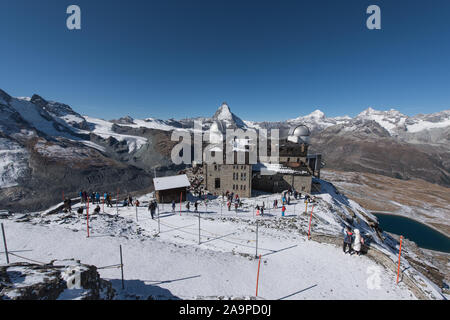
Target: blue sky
(270, 60)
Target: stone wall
(232, 178)
(280, 182)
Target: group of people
(95, 198)
(353, 241)
(128, 201)
(232, 199)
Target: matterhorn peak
(224, 114)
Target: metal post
(399, 257)
(256, 255)
(117, 202)
(4, 243)
(136, 214)
(199, 228)
(87, 218)
(159, 225)
(121, 265)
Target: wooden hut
(172, 188)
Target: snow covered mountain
(231, 120)
(47, 149)
(36, 133)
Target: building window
(303, 188)
(217, 183)
(215, 167)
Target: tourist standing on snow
(152, 207)
(275, 204)
(357, 242)
(348, 240)
(196, 206)
(188, 205)
(173, 205)
(97, 197)
(109, 200)
(283, 209)
(229, 205)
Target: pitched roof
(172, 182)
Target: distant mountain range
(47, 148)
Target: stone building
(294, 169)
(236, 178)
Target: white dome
(300, 131)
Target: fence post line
(256, 255)
(159, 225)
(257, 277)
(121, 265)
(310, 218)
(87, 217)
(199, 228)
(4, 243)
(399, 256)
(253, 210)
(117, 202)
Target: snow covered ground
(172, 264)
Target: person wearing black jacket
(348, 238)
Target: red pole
(310, 218)
(87, 217)
(103, 204)
(257, 277)
(399, 256)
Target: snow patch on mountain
(104, 129)
(13, 163)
